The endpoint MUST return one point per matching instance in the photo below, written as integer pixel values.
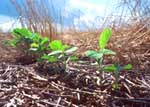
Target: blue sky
(78, 12)
(6, 9)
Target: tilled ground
(24, 87)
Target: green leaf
(94, 54)
(34, 45)
(104, 37)
(55, 52)
(127, 67)
(52, 59)
(65, 46)
(44, 41)
(107, 52)
(49, 58)
(35, 37)
(73, 58)
(56, 45)
(22, 32)
(110, 68)
(12, 43)
(71, 50)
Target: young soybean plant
(103, 39)
(60, 52)
(22, 38)
(98, 55)
(116, 70)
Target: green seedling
(116, 70)
(98, 55)
(21, 35)
(103, 39)
(27, 41)
(22, 38)
(60, 52)
(41, 48)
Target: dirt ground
(6, 53)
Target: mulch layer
(25, 86)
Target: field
(25, 82)
(42, 65)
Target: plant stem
(100, 71)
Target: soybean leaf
(44, 41)
(73, 58)
(94, 54)
(22, 32)
(127, 67)
(12, 43)
(57, 45)
(104, 37)
(16, 33)
(110, 68)
(49, 58)
(107, 52)
(65, 47)
(52, 59)
(34, 45)
(35, 37)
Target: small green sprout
(28, 42)
(21, 35)
(116, 69)
(22, 38)
(98, 55)
(60, 52)
(103, 39)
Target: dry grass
(37, 17)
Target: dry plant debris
(23, 86)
